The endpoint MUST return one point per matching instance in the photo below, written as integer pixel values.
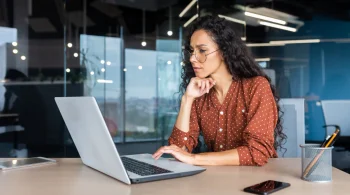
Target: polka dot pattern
(245, 121)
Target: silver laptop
(97, 150)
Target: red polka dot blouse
(244, 121)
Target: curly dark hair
(237, 57)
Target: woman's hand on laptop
(178, 153)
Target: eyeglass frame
(191, 54)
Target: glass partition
(127, 56)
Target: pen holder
(316, 163)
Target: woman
(226, 96)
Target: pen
(335, 138)
(332, 138)
(325, 141)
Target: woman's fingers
(159, 152)
(204, 85)
(198, 82)
(200, 85)
(165, 149)
(212, 82)
(207, 85)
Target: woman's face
(206, 58)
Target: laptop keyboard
(142, 168)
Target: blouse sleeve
(262, 116)
(188, 139)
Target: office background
(127, 54)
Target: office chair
(337, 112)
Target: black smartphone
(266, 187)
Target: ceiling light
(70, 45)
(108, 63)
(103, 70)
(278, 26)
(187, 8)
(143, 43)
(23, 58)
(104, 81)
(191, 20)
(140, 67)
(233, 19)
(92, 73)
(14, 44)
(262, 59)
(170, 33)
(124, 69)
(265, 18)
(15, 51)
(263, 44)
(296, 41)
(75, 54)
(169, 62)
(102, 62)
(68, 70)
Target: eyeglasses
(200, 55)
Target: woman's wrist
(194, 159)
(187, 99)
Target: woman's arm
(183, 118)
(228, 157)
(196, 88)
(186, 129)
(183, 124)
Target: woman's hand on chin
(199, 86)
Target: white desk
(69, 176)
